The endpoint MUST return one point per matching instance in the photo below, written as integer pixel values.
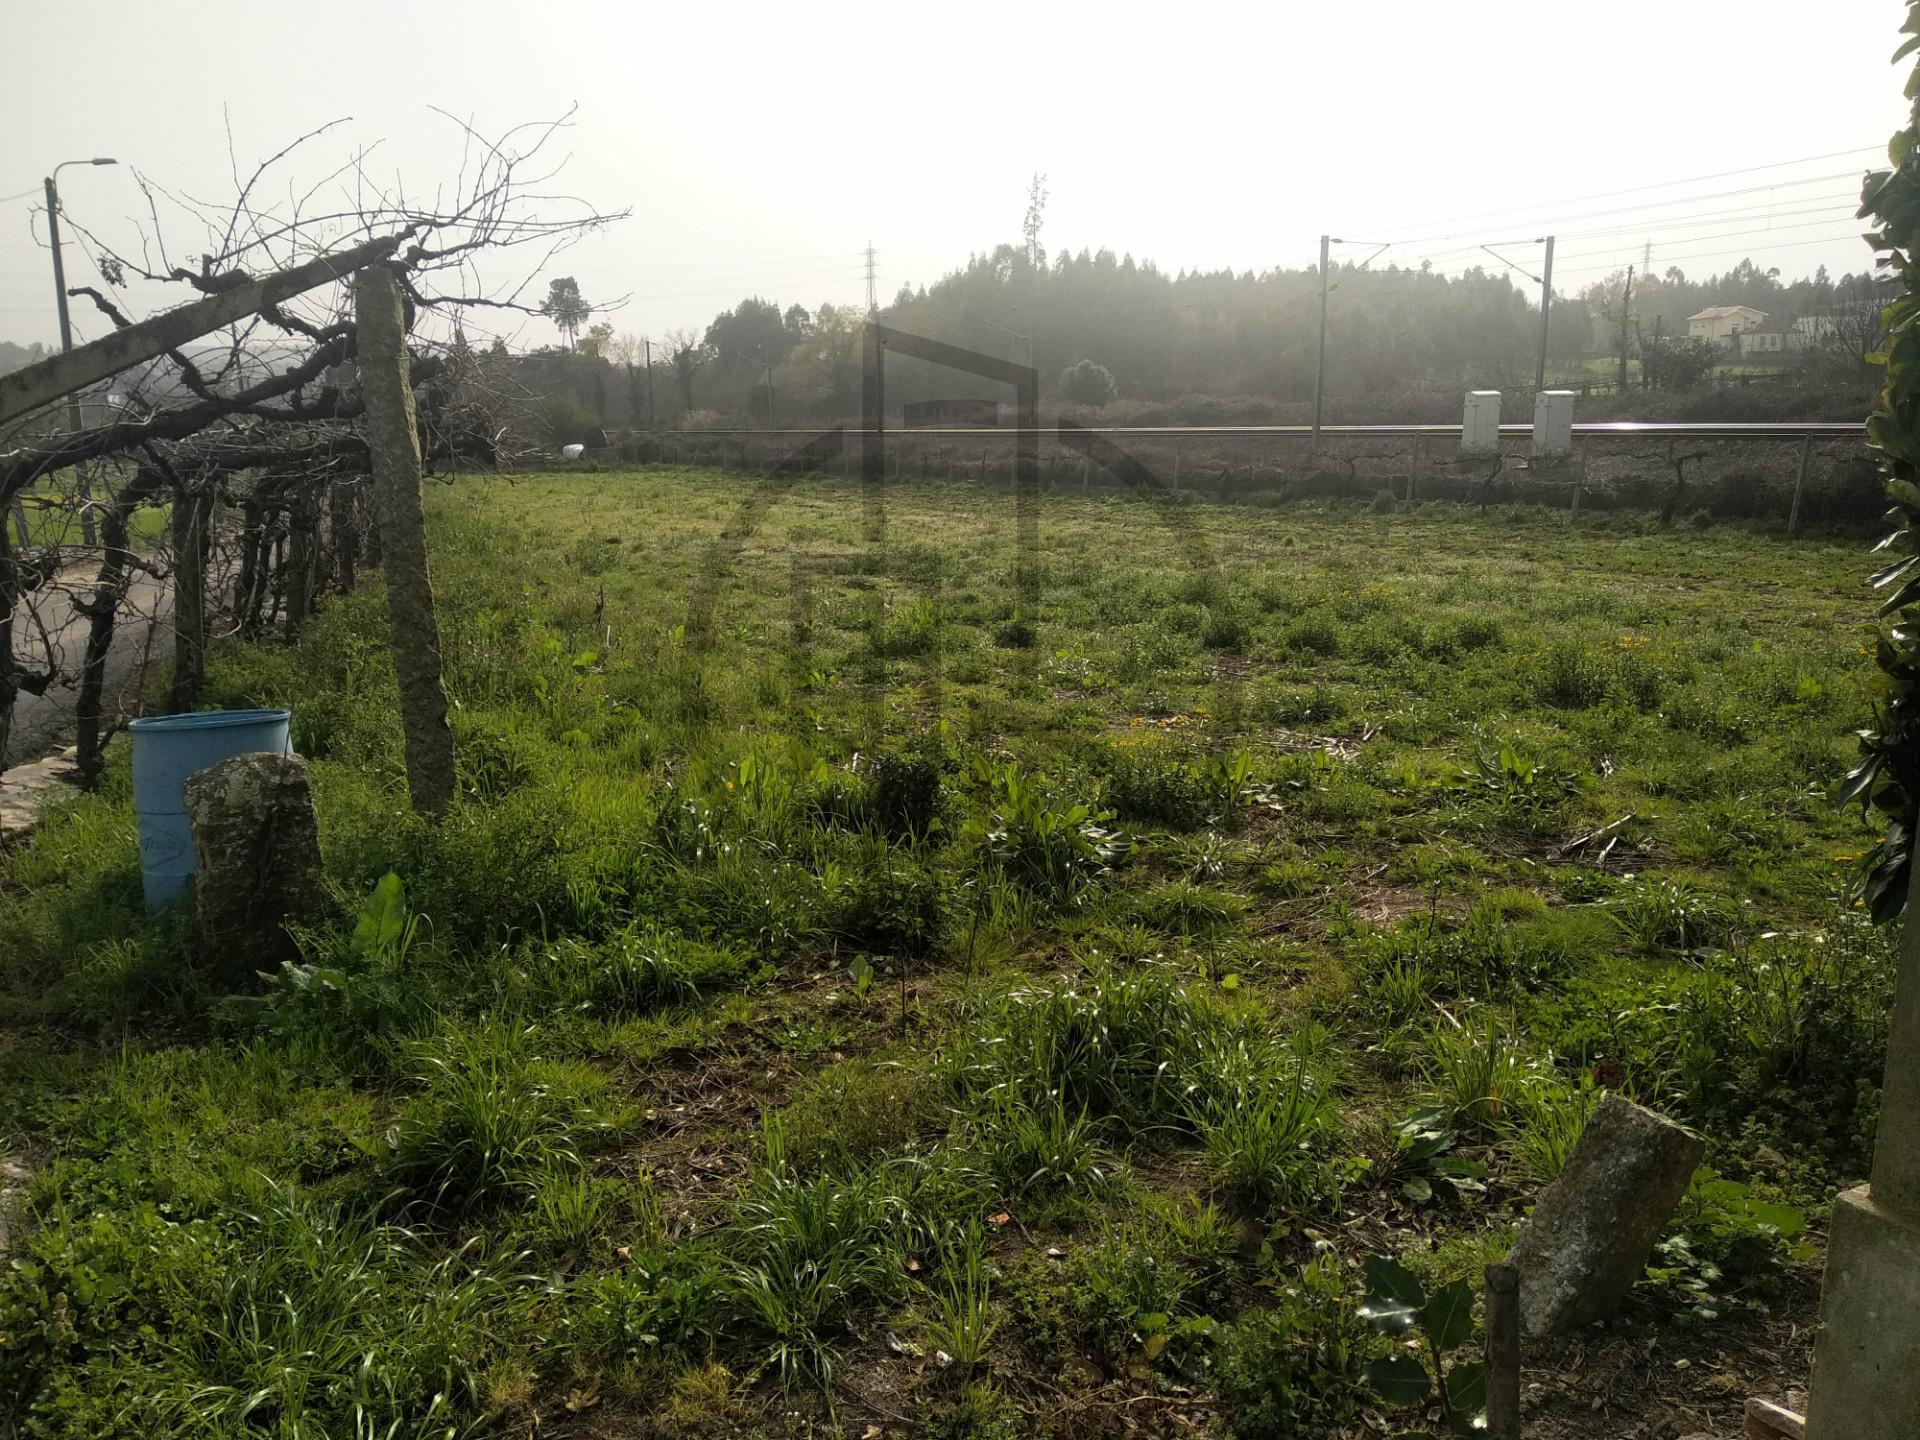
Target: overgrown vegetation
(806, 1003)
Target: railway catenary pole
(1320, 351)
(1546, 307)
(1626, 311)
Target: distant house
(1766, 338)
(1723, 324)
(1811, 332)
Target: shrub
(1726, 1247)
(906, 795)
(853, 1112)
(1086, 382)
(1133, 1300)
(1037, 1147)
(916, 630)
(662, 1303)
(807, 1252)
(564, 419)
(1297, 1369)
(490, 1119)
(1477, 1074)
(1147, 783)
(1138, 1046)
(1016, 634)
(1054, 847)
(1397, 1302)
(1314, 633)
(638, 968)
(1659, 913)
(1261, 1144)
(892, 905)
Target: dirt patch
(1639, 1378)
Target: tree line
(1189, 338)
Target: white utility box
(1552, 424)
(1480, 426)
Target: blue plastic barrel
(166, 750)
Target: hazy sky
(761, 149)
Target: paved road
(42, 723)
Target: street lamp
(66, 324)
(53, 239)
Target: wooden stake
(1503, 1352)
(1806, 457)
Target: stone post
(257, 849)
(395, 451)
(1587, 1241)
(1866, 1358)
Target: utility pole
(66, 332)
(651, 422)
(873, 297)
(1626, 311)
(1546, 308)
(1320, 352)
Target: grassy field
(846, 1003)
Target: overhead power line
(1551, 207)
(1465, 257)
(1721, 235)
(1720, 254)
(1641, 208)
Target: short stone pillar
(1587, 1241)
(258, 848)
(1866, 1357)
(1552, 425)
(1480, 424)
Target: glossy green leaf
(1448, 1315)
(1399, 1380)
(1467, 1397)
(383, 919)
(1388, 1279)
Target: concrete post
(394, 447)
(1866, 1359)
